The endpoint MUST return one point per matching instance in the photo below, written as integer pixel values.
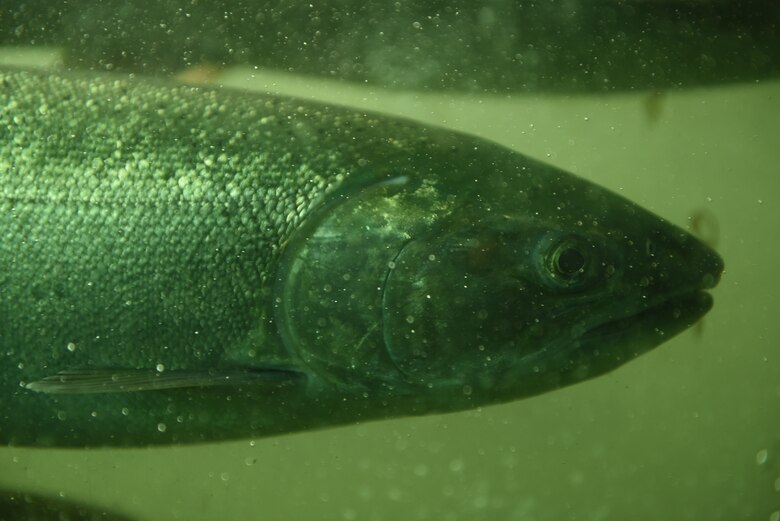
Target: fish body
(499, 46)
(184, 264)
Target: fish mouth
(657, 322)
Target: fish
(28, 506)
(188, 264)
(498, 47)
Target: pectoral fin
(116, 380)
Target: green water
(688, 432)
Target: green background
(688, 432)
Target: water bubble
(162, 427)
(421, 470)
(480, 501)
(456, 465)
(71, 346)
(365, 493)
(762, 456)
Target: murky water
(687, 432)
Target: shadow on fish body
(184, 264)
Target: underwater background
(690, 431)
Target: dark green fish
(182, 264)
(495, 46)
(25, 506)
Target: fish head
(539, 281)
(483, 270)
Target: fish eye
(567, 262)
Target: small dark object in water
(704, 225)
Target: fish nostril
(708, 281)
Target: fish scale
(127, 189)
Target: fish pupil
(569, 262)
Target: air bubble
(456, 465)
(762, 456)
(421, 470)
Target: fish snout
(673, 261)
(705, 265)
